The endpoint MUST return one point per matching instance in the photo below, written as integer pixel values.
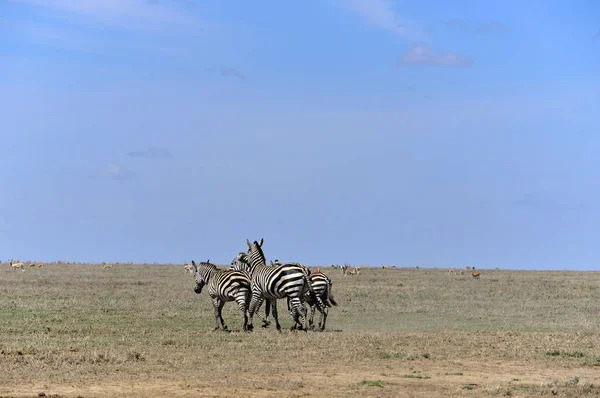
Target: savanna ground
(140, 330)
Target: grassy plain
(140, 330)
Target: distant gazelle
(475, 274)
(40, 265)
(17, 265)
(354, 271)
(451, 272)
(106, 265)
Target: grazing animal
(354, 271)
(393, 267)
(273, 283)
(475, 274)
(106, 265)
(322, 286)
(17, 265)
(451, 272)
(31, 265)
(385, 267)
(188, 268)
(40, 265)
(223, 286)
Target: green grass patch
(371, 383)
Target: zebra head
(200, 282)
(255, 253)
(240, 263)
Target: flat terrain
(140, 330)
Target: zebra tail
(330, 296)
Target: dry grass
(80, 330)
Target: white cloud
(115, 10)
(381, 13)
(422, 55)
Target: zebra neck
(207, 273)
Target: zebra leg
(254, 305)
(241, 300)
(299, 313)
(311, 320)
(275, 315)
(218, 306)
(323, 319)
(265, 320)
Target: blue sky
(367, 132)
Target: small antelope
(40, 265)
(393, 267)
(318, 269)
(452, 272)
(354, 271)
(385, 267)
(475, 274)
(17, 265)
(188, 268)
(106, 266)
(31, 265)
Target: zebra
(223, 286)
(322, 286)
(272, 283)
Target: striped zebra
(322, 286)
(223, 286)
(272, 283)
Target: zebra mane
(207, 264)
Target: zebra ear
(193, 263)
(248, 243)
(261, 241)
(208, 261)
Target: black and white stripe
(289, 280)
(322, 287)
(223, 286)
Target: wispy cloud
(473, 27)
(152, 153)
(114, 172)
(124, 13)
(422, 55)
(231, 72)
(381, 13)
(110, 27)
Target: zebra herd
(250, 281)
